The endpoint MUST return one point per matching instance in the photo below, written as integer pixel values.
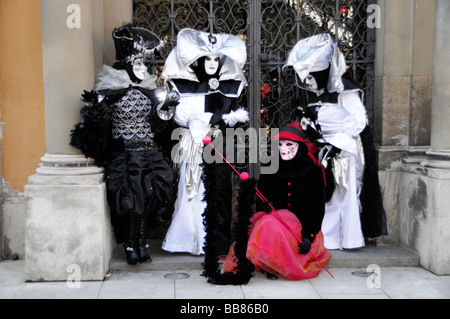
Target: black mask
(321, 78)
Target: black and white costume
(208, 105)
(336, 118)
(120, 120)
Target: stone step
(383, 256)
(161, 260)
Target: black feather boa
(244, 270)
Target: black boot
(269, 275)
(142, 242)
(132, 253)
(131, 245)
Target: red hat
(291, 131)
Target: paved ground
(348, 283)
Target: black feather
(244, 270)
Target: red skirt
(273, 248)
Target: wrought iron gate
(270, 28)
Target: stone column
(440, 115)
(436, 251)
(68, 231)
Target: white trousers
(341, 226)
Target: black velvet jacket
(299, 187)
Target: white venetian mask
(212, 64)
(139, 69)
(288, 149)
(311, 82)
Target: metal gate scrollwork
(270, 29)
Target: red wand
(244, 176)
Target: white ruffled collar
(112, 79)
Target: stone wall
(411, 127)
(12, 222)
(12, 218)
(402, 118)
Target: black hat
(131, 42)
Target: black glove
(215, 119)
(304, 247)
(311, 132)
(311, 113)
(334, 151)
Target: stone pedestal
(68, 234)
(437, 256)
(424, 185)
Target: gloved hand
(215, 119)
(304, 247)
(334, 151)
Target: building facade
(53, 203)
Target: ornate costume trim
(131, 118)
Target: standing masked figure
(206, 70)
(119, 121)
(335, 118)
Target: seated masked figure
(285, 234)
(120, 120)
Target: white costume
(341, 117)
(187, 231)
(341, 125)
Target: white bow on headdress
(193, 44)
